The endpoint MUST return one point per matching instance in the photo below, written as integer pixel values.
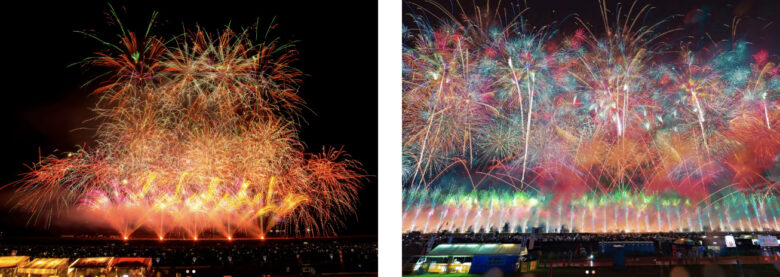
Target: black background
(43, 105)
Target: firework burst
(600, 128)
(197, 135)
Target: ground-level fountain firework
(508, 126)
(198, 135)
(622, 211)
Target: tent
(93, 266)
(474, 258)
(131, 266)
(9, 264)
(45, 267)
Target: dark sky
(702, 22)
(43, 104)
(697, 17)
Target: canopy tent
(9, 264)
(132, 262)
(102, 262)
(475, 249)
(92, 266)
(131, 266)
(13, 261)
(475, 258)
(44, 266)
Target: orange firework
(198, 135)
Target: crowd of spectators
(269, 256)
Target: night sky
(697, 17)
(45, 107)
(701, 22)
(43, 104)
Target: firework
(197, 135)
(597, 129)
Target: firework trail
(197, 135)
(597, 128)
